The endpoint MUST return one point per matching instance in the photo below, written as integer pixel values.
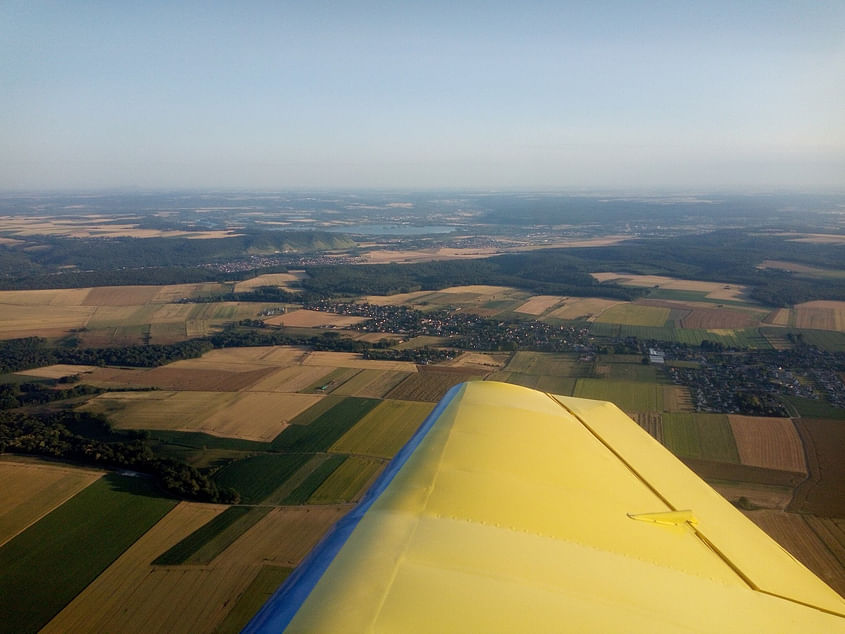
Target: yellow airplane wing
(515, 510)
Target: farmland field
(627, 395)
(331, 381)
(258, 476)
(822, 493)
(173, 377)
(354, 360)
(71, 546)
(793, 533)
(371, 383)
(314, 480)
(132, 595)
(820, 315)
(652, 422)
(768, 442)
(57, 371)
(634, 315)
(539, 304)
(713, 290)
(349, 481)
(258, 416)
(431, 383)
(480, 361)
(292, 379)
(33, 489)
(545, 364)
(582, 308)
(384, 430)
(284, 280)
(310, 318)
(322, 432)
(758, 495)
(705, 436)
(268, 579)
(708, 318)
(212, 538)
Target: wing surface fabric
(515, 510)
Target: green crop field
(316, 478)
(316, 410)
(53, 560)
(635, 315)
(811, 408)
(547, 364)
(634, 372)
(347, 482)
(323, 431)
(827, 339)
(562, 386)
(627, 395)
(257, 593)
(740, 337)
(384, 430)
(258, 476)
(211, 539)
(706, 436)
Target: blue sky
(273, 95)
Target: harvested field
(627, 395)
(174, 292)
(824, 443)
(384, 430)
(172, 377)
(583, 308)
(758, 495)
(431, 383)
(42, 321)
(772, 443)
(820, 315)
(803, 269)
(479, 289)
(354, 360)
(311, 318)
(652, 423)
(396, 300)
(58, 371)
(121, 295)
(33, 489)
(371, 383)
(349, 482)
(676, 398)
(718, 318)
(252, 357)
(703, 436)
(795, 535)
(52, 297)
(714, 290)
(133, 596)
(634, 315)
(212, 538)
(72, 546)
(293, 379)
(478, 360)
(257, 416)
(333, 380)
(831, 530)
(322, 432)
(288, 281)
(268, 579)
(539, 304)
(779, 317)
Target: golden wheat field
(539, 304)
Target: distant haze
(429, 94)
